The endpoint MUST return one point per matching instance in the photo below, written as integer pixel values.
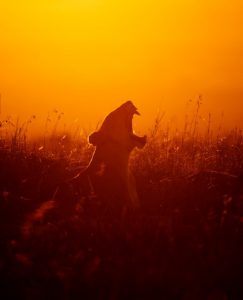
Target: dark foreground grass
(184, 242)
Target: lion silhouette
(108, 170)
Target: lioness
(108, 169)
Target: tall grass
(170, 151)
(184, 242)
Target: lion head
(117, 128)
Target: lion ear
(95, 138)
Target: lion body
(109, 165)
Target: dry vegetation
(184, 242)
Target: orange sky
(85, 57)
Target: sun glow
(86, 57)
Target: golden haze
(85, 57)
